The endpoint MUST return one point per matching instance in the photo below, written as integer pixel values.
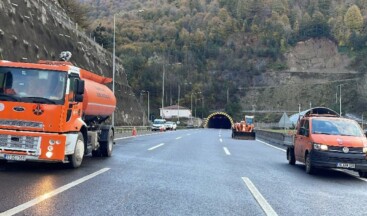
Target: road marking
(220, 140)
(178, 138)
(259, 198)
(226, 151)
(188, 134)
(121, 138)
(48, 195)
(157, 146)
(351, 173)
(271, 145)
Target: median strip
(157, 146)
(48, 195)
(259, 198)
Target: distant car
(159, 125)
(170, 125)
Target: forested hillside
(217, 46)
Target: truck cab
(325, 140)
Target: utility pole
(178, 106)
(114, 64)
(163, 88)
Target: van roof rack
(321, 111)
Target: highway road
(184, 172)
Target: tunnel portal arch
(219, 120)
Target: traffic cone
(134, 131)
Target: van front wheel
(309, 168)
(362, 174)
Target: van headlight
(364, 149)
(320, 147)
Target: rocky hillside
(316, 70)
(34, 30)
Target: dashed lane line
(220, 140)
(259, 198)
(226, 151)
(178, 138)
(157, 146)
(48, 195)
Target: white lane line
(351, 173)
(272, 146)
(48, 195)
(157, 146)
(259, 198)
(178, 138)
(226, 151)
(188, 134)
(121, 138)
(220, 140)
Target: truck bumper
(325, 159)
(32, 146)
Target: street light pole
(163, 89)
(145, 91)
(114, 64)
(178, 107)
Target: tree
(353, 18)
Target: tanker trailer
(52, 111)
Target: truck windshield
(341, 127)
(32, 85)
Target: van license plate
(15, 157)
(346, 165)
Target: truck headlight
(320, 147)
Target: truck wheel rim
(79, 150)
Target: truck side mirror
(79, 87)
(78, 98)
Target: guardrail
(129, 129)
(275, 137)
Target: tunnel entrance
(219, 120)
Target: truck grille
(16, 123)
(28, 144)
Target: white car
(159, 125)
(170, 125)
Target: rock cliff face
(316, 70)
(317, 55)
(31, 30)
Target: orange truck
(326, 140)
(244, 129)
(52, 111)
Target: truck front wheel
(107, 146)
(76, 159)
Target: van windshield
(32, 85)
(341, 127)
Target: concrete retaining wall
(274, 137)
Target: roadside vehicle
(54, 112)
(326, 140)
(159, 125)
(170, 125)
